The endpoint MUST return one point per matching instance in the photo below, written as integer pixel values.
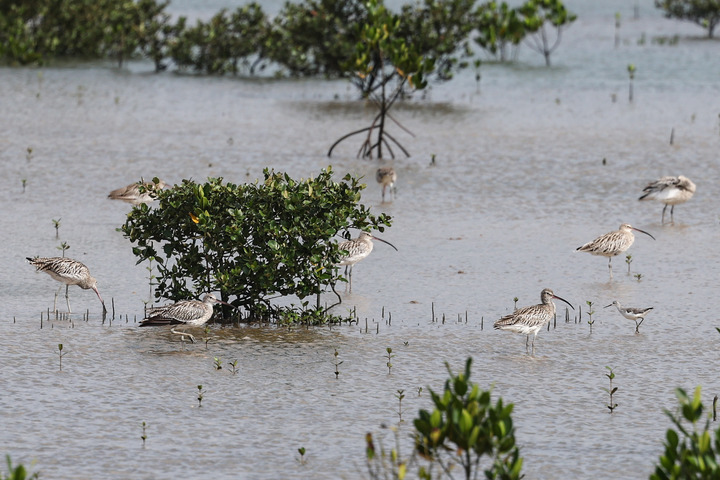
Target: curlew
(132, 194)
(670, 191)
(529, 320)
(68, 272)
(193, 313)
(357, 248)
(613, 243)
(631, 313)
(386, 177)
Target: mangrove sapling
(617, 29)
(61, 354)
(419, 390)
(56, 224)
(715, 400)
(631, 73)
(628, 260)
(390, 356)
(24, 181)
(302, 459)
(206, 330)
(638, 276)
(515, 300)
(611, 406)
(17, 473)
(233, 367)
(144, 435)
(400, 395)
(63, 246)
(387, 464)
(590, 312)
(218, 363)
(200, 395)
(337, 364)
(29, 154)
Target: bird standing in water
(530, 320)
(357, 248)
(192, 313)
(670, 191)
(69, 272)
(613, 243)
(631, 313)
(386, 177)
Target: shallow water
(518, 184)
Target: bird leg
(350, 277)
(183, 335)
(663, 214)
(383, 193)
(67, 298)
(610, 266)
(55, 302)
(637, 325)
(672, 219)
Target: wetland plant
(17, 473)
(218, 363)
(515, 300)
(400, 395)
(233, 367)
(631, 73)
(694, 454)
(144, 435)
(389, 356)
(638, 276)
(383, 464)
(628, 260)
(206, 330)
(617, 29)
(465, 426)
(29, 153)
(56, 224)
(200, 395)
(302, 458)
(611, 391)
(590, 312)
(63, 246)
(24, 181)
(61, 354)
(337, 363)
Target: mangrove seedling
(400, 395)
(56, 224)
(207, 336)
(200, 395)
(515, 300)
(419, 390)
(638, 276)
(28, 154)
(617, 29)
(385, 463)
(63, 246)
(233, 367)
(590, 312)
(18, 473)
(337, 364)
(61, 354)
(390, 356)
(24, 181)
(631, 73)
(144, 435)
(628, 260)
(218, 363)
(302, 459)
(611, 406)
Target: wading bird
(386, 177)
(131, 193)
(357, 248)
(613, 243)
(631, 313)
(67, 271)
(193, 313)
(529, 320)
(670, 191)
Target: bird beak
(226, 303)
(643, 231)
(376, 238)
(101, 300)
(606, 306)
(563, 300)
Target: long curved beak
(101, 300)
(606, 306)
(643, 231)
(563, 300)
(226, 303)
(376, 238)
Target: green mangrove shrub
(705, 13)
(463, 428)
(499, 27)
(540, 17)
(253, 243)
(17, 473)
(690, 451)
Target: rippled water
(518, 184)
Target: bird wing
(606, 244)
(356, 251)
(526, 316)
(638, 311)
(660, 188)
(183, 311)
